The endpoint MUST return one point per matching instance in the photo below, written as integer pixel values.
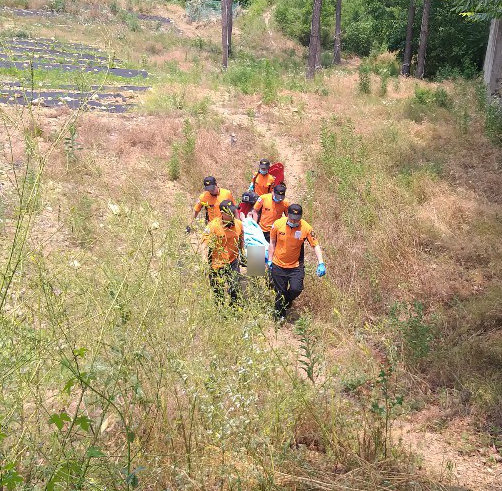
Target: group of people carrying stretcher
(266, 218)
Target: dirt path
(441, 457)
(289, 153)
(284, 339)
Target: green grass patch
(57, 78)
(428, 103)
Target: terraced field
(40, 65)
(49, 72)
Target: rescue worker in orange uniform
(211, 198)
(224, 236)
(249, 198)
(285, 257)
(262, 182)
(269, 208)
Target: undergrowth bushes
(168, 389)
(378, 189)
(427, 103)
(493, 121)
(162, 101)
(119, 371)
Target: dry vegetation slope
(405, 196)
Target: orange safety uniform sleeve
(312, 239)
(258, 205)
(200, 203)
(273, 233)
(289, 242)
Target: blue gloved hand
(321, 270)
(269, 264)
(251, 187)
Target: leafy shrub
(384, 80)
(409, 319)
(245, 76)
(326, 58)
(468, 71)
(173, 166)
(188, 148)
(130, 20)
(425, 97)
(359, 36)
(441, 98)
(269, 84)
(383, 63)
(81, 220)
(57, 5)
(14, 33)
(493, 121)
(200, 108)
(253, 77)
(364, 80)
(114, 7)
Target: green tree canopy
(479, 9)
(455, 43)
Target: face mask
(293, 225)
(263, 172)
(277, 200)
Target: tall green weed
(493, 121)
(343, 156)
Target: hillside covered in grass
(117, 369)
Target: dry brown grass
(421, 223)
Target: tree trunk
(224, 33)
(337, 53)
(318, 64)
(424, 32)
(315, 29)
(492, 69)
(405, 70)
(230, 22)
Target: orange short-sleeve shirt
(289, 242)
(270, 210)
(224, 242)
(263, 184)
(212, 203)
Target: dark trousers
(288, 284)
(228, 275)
